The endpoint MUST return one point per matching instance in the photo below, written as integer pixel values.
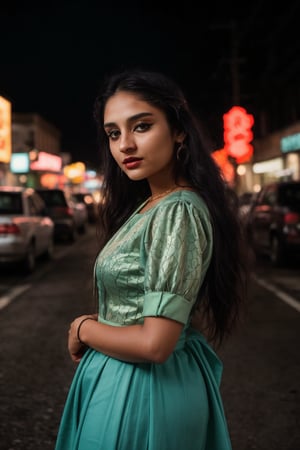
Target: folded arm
(153, 341)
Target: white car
(26, 232)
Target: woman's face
(140, 138)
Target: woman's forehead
(123, 105)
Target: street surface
(260, 384)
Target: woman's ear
(180, 137)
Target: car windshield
(53, 198)
(79, 197)
(289, 195)
(10, 203)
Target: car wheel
(276, 252)
(29, 262)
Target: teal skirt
(114, 405)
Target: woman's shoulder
(181, 203)
(185, 198)
(181, 212)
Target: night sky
(53, 58)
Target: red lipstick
(132, 162)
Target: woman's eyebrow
(130, 119)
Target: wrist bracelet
(79, 326)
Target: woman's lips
(132, 163)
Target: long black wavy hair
(223, 290)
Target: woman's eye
(113, 134)
(142, 126)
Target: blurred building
(35, 159)
(31, 131)
(36, 156)
(276, 157)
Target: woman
(170, 263)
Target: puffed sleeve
(176, 253)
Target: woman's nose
(127, 142)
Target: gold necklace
(155, 197)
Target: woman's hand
(75, 347)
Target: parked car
(273, 222)
(90, 203)
(26, 232)
(245, 202)
(69, 218)
(80, 214)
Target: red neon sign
(238, 134)
(221, 158)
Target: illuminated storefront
(45, 170)
(290, 147)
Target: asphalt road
(260, 385)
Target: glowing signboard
(290, 143)
(5, 130)
(238, 134)
(47, 162)
(75, 172)
(19, 163)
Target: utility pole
(234, 65)
(233, 60)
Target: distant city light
(290, 143)
(272, 165)
(241, 170)
(19, 163)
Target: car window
(267, 196)
(10, 203)
(53, 198)
(260, 197)
(270, 198)
(289, 195)
(79, 197)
